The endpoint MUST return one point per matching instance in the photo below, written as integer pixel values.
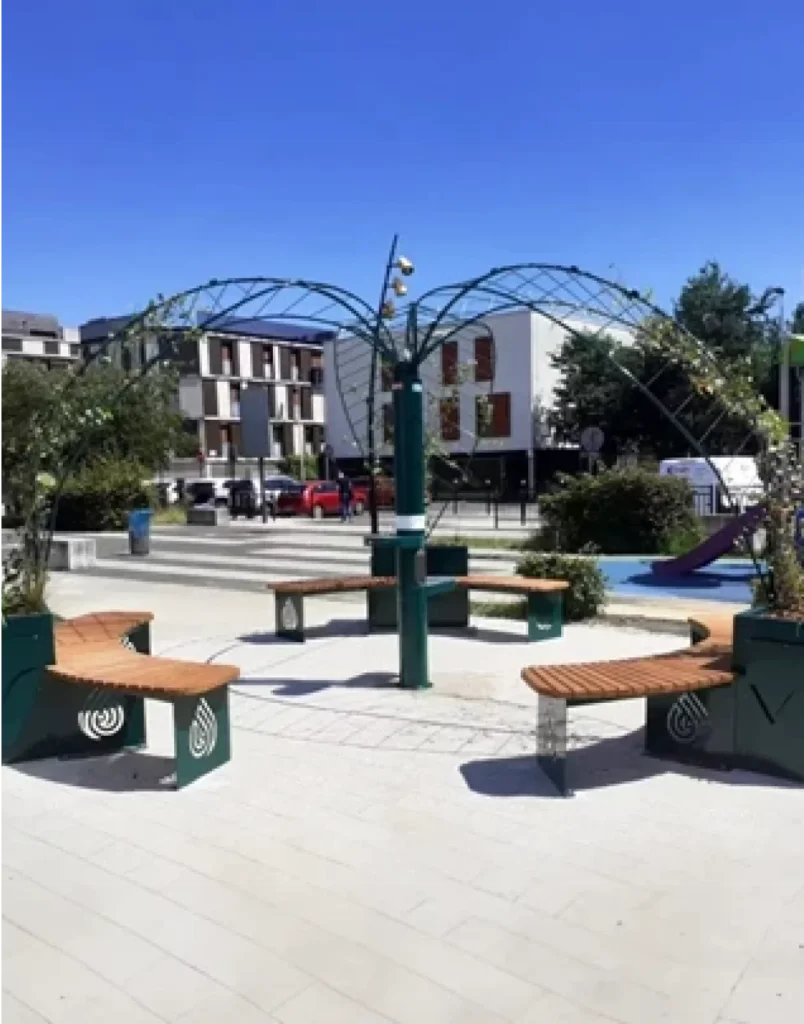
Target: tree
(737, 327)
(593, 392)
(797, 320)
(140, 425)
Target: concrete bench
(203, 515)
(92, 699)
(682, 690)
(68, 553)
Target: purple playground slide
(713, 547)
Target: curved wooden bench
(672, 683)
(92, 697)
(289, 598)
(545, 619)
(544, 597)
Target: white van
(738, 472)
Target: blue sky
(152, 144)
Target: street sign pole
(261, 471)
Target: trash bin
(139, 531)
(242, 499)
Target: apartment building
(215, 368)
(488, 393)
(39, 338)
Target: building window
(388, 423)
(449, 363)
(75, 350)
(268, 361)
(226, 441)
(309, 441)
(12, 344)
(450, 410)
(51, 348)
(484, 360)
(317, 373)
(295, 365)
(493, 415)
(226, 359)
(276, 443)
(234, 400)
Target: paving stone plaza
(374, 855)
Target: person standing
(345, 493)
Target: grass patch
(492, 543)
(500, 609)
(175, 515)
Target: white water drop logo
(101, 716)
(290, 620)
(203, 731)
(685, 717)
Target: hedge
(587, 588)
(617, 512)
(100, 496)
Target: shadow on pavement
(610, 761)
(305, 687)
(125, 771)
(333, 628)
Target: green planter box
(447, 609)
(28, 646)
(769, 694)
(43, 717)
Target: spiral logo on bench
(125, 641)
(203, 731)
(685, 717)
(101, 716)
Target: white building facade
(39, 338)
(488, 390)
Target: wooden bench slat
(140, 675)
(511, 584)
(332, 585)
(638, 677)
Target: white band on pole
(410, 522)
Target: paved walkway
(371, 855)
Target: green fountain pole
(410, 524)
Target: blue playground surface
(727, 579)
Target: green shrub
(100, 496)
(682, 539)
(627, 511)
(587, 589)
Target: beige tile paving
(372, 856)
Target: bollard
(496, 511)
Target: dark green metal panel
(28, 646)
(43, 717)
(545, 616)
(696, 727)
(449, 609)
(201, 729)
(289, 609)
(755, 631)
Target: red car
(318, 498)
(385, 490)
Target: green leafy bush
(619, 511)
(682, 539)
(587, 589)
(101, 495)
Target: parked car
(277, 485)
(319, 498)
(385, 489)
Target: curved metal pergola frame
(559, 293)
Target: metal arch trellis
(562, 294)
